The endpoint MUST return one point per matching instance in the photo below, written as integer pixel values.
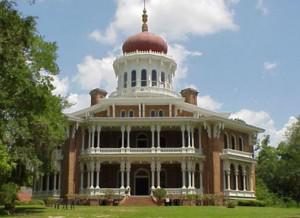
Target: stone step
(138, 201)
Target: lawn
(155, 212)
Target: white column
(128, 166)
(82, 138)
(122, 169)
(228, 180)
(200, 139)
(200, 177)
(98, 168)
(123, 139)
(170, 110)
(92, 166)
(48, 182)
(90, 137)
(128, 136)
(81, 176)
(193, 175)
(114, 110)
(244, 178)
(236, 179)
(93, 136)
(98, 136)
(189, 174)
(140, 110)
(158, 136)
(182, 135)
(158, 168)
(54, 181)
(189, 136)
(192, 136)
(183, 170)
(152, 134)
(152, 174)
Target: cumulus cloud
(209, 103)
(176, 20)
(61, 86)
(260, 5)
(270, 66)
(264, 120)
(78, 101)
(93, 73)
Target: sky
(242, 56)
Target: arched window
(160, 113)
(133, 78)
(154, 78)
(169, 81)
(125, 80)
(241, 178)
(144, 78)
(130, 113)
(241, 144)
(163, 78)
(152, 113)
(233, 142)
(225, 141)
(123, 114)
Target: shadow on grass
(23, 210)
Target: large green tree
(31, 119)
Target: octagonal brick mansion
(145, 136)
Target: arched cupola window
(133, 78)
(152, 113)
(233, 142)
(160, 113)
(241, 144)
(130, 113)
(144, 77)
(154, 78)
(163, 79)
(226, 141)
(125, 80)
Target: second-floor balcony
(236, 154)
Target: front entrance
(141, 186)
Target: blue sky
(243, 56)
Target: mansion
(145, 136)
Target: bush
(230, 203)
(49, 201)
(32, 202)
(8, 196)
(160, 193)
(109, 194)
(251, 203)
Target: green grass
(154, 212)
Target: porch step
(138, 201)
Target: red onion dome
(145, 41)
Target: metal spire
(145, 19)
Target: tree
(32, 123)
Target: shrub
(230, 203)
(160, 193)
(8, 196)
(32, 202)
(251, 203)
(49, 201)
(109, 194)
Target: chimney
(97, 95)
(190, 95)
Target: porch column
(200, 177)
(123, 138)
(128, 166)
(82, 138)
(152, 134)
(189, 136)
(183, 170)
(54, 181)
(189, 174)
(128, 136)
(252, 171)
(228, 179)
(192, 136)
(182, 136)
(81, 176)
(98, 136)
(158, 168)
(158, 136)
(140, 110)
(152, 174)
(193, 175)
(92, 167)
(93, 137)
(244, 178)
(122, 169)
(200, 139)
(90, 137)
(236, 178)
(48, 181)
(98, 168)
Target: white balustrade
(233, 152)
(241, 194)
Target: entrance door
(141, 186)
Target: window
(163, 78)
(130, 114)
(241, 144)
(123, 114)
(160, 113)
(133, 78)
(225, 141)
(154, 78)
(152, 114)
(232, 142)
(125, 80)
(169, 80)
(144, 78)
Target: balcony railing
(131, 150)
(239, 194)
(237, 153)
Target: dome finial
(145, 19)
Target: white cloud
(96, 73)
(264, 120)
(61, 86)
(176, 20)
(78, 101)
(260, 5)
(209, 103)
(270, 66)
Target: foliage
(159, 193)
(231, 203)
(109, 194)
(251, 203)
(30, 203)
(8, 195)
(32, 123)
